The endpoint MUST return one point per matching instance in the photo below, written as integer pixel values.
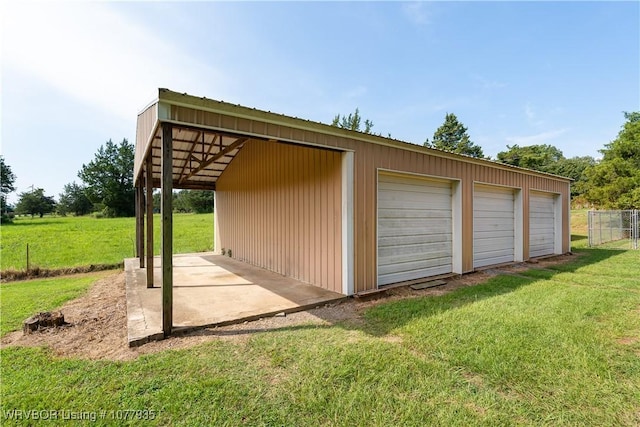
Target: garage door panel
(408, 212)
(412, 239)
(493, 225)
(414, 228)
(410, 183)
(400, 271)
(408, 227)
(541, 224)
(412, 201)
(497, 222)
(497, 243)
(418, 251)
(414, 266)
(482, 235)
(498, 258)
(492, 214)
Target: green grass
(57, 242)
(23, 299)
(559, 346)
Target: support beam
(237, 143)
(149, 209)
(187, 160)
(140, 223)
(136, 202)
(167, 229)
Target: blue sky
(76, 74)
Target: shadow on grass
(578, 237)
(385, 317)
(35, 222)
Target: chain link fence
(614, 229)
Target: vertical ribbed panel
(279, 207)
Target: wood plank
(149, 210)
(140, 224)
(167, 229)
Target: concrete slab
(210, 290)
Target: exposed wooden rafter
(207, 161)
(188, 159)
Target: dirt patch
(628, 340)
(97, 326)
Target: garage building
(342, 210)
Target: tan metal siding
(144, 126)
(368, 157)
(279, 207)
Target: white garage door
(493, 225)
(414, 228)
(542, 221)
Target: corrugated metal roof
(194, 146)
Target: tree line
(107, 188)
(612, 182)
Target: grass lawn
(57, 242)
(559, 346)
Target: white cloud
(528, 111)
(487, 83)
(540, 138)
(356, 92)
(416, 12)
(97, 55)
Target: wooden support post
(140, 223)
(137, 208)
(148, 171)
(167, 228)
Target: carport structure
(182, 144)
(345, 211)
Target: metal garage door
(414, 228)
(493, 225)
(542, 220)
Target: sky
(76, 74)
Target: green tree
(549, 159)
(574, 168)
(352, 122)
(452, 136)
(74, 200)
(35, 203)
(7, 181)
(614, 183)
(542, 157)
(198, 201)
(108, 179)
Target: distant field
(579, 222)
(57, 242)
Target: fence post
(634, 228)
(589, 230)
